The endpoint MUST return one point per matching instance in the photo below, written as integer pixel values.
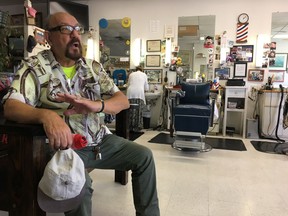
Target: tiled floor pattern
(215, 183)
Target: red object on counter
(79, 141)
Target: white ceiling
(279, 24)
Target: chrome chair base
(190, 141)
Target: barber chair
(191, 113)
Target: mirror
(279, 31)
(194, 49)
(114, 44)
(278, 47)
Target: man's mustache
(74, 40)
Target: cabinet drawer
(235, 92)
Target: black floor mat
(132, 135)
(162, 138)
(135, 135)
(270, 147)
(217, 143)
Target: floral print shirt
(41, 77)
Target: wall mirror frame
(192, 31)
(114, 46)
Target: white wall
(166, 12)
(142, 12)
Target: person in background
(61, 90)
(137, 85)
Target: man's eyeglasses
(67, 29)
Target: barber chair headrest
(195, 93)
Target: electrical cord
(279, 111)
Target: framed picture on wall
(153, 45)
(240, 69)
(153, 60)
(277, 75)
(279, 62)
(242, 53)
(154, 75)
(222, 73)
(256, 75)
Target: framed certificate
(153, 45)
(153, 60)
(240, 69)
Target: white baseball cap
(62, 188)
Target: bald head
(58, 18)
(64, 36)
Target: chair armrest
(27, 156)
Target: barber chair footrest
(190, 141)
(189, 144)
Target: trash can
(146, 119)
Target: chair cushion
(193, 118)
(195, 93)
(192, 109)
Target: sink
(151, 97)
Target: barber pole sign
(242, 33)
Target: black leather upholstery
(193, 113)
(195, 93)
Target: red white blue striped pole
(242, 33)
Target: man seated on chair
(62, 90)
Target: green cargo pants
(121, 154)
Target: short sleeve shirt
(41, 77)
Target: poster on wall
(209, 42)
(242, 53)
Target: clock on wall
(243, 18)
(242, 28)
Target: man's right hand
(57, 131)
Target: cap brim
(50, 205)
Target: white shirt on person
(137, 85)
